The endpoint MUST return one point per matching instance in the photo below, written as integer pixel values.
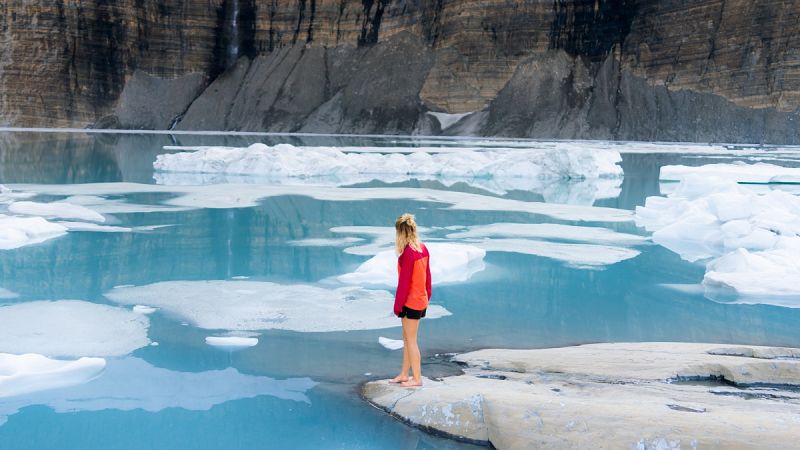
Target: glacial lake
(578, 271)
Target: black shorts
(413, 313)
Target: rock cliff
(703, 70)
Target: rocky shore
(626, 395)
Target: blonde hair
(406, 228)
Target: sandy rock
(610, 396)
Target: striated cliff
(700, 70)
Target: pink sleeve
(428, 276)
(404, 280)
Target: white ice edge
(57, 210)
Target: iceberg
(28, 373)
(497, 170)
(71, 328)
(450, 263)
(749, 241)
(254, 305)
(131, 383)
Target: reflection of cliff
(671, 70)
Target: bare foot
(399, 379)
(411, 384)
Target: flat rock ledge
(615, 396)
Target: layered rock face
(721, 70)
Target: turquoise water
(518, 300)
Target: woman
(413, 294)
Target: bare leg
(411, 326)
(406, 360)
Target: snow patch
(450, 263)
(71, 328)
(28, 373)
(256, 305)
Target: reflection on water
(519, 300)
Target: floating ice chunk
(391, 344)
(17, 232)
(578, 255)
(450, 263)
(255, 305)
(755, 237)
(231, 342)
(71, 328)
(494, 169)
(142, 309)
(60, 210)
(132, 383)
(761, 275)
(24, 374)
(738, 172)
(5, 294)
(548, 231)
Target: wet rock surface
(645, 395)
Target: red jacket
(414, 280)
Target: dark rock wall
(722, 70)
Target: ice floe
(142, 309)
(738, 171)
(493, 169)
(231, 342)
(27, 373)
(132, 383)
(18, 232)
(325, 242)
(248, 195)
(71, 328)
(381, 238)
(255, 305)
(56, 210)
(754, 237)
(390, 344)
(450, 263)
